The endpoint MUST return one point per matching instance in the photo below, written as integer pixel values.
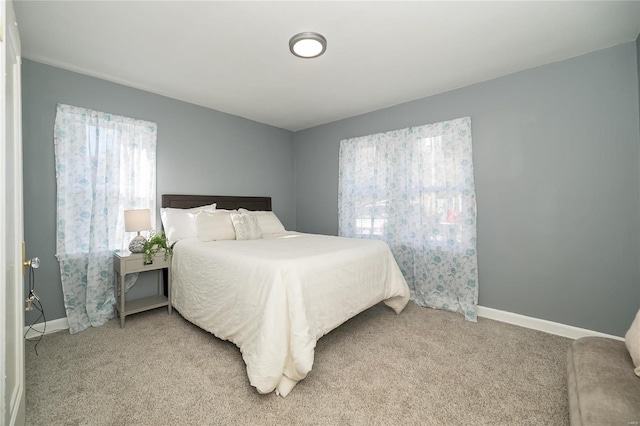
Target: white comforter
(275, 297)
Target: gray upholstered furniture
(603, 389)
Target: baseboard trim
(541, 325)
(52, 326)
(550, 327)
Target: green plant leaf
(157, 241)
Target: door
(11, 225)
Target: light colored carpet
(423, 366)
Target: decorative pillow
(632, 340)
(268, 221)
(179, 224)
(215, 225)
(246, 226)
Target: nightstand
(128, 263)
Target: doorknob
(34, 263)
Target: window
(414, 189)
(104, 164)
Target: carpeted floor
(422, 367)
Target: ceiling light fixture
(308, 45)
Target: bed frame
(227, 202)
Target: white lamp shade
(137, 220)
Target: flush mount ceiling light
(307, 45)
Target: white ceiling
(234, 56)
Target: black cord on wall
(34, 301)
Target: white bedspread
(275, 297)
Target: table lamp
(136, 221)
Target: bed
(275, 296)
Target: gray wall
(556, 153)
(199, 151)
(556, 158)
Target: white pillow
(179, 224)
(246, 226)
(632, 340)
(215, 225)
(268, 221)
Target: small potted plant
(157, 241)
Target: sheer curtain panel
(414, 189)
(104, 164)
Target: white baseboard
(540, 324)
(52, 327)
(484, 312)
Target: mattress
(275, 297)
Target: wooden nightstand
(128, 263)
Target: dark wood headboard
(222, 201)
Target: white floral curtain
(414, 189)
(104, 164)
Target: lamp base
(137, 244)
